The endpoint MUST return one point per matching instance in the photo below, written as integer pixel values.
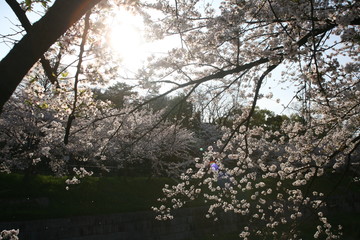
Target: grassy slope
(46, 196)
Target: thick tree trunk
(16, 64)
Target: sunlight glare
(126, 38)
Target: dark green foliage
(46, 196)
(177, 110)
(261, 118)
(116, 93)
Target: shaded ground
(45, 197)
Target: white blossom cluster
(9, 234)
(269, 192)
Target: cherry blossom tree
(230, 51)
(33, 127)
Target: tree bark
(21, 15)
(16, 64)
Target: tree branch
(16, 64)
(248, 118)
(76, 81)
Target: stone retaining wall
(188, 224)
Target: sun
(126, 37)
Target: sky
(8, 21)
(6, 16)
(135, 47)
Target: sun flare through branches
(126, 37)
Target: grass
(46, 196)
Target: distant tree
(264, 118)
(176, 109)
(117, 94)
(267, 119)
